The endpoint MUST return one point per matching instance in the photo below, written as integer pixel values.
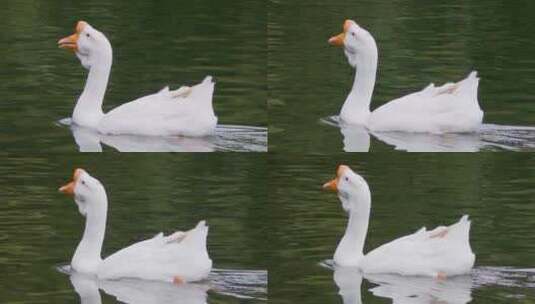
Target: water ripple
(491, 137)
(241, 284)
(226, 138)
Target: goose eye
(346, 178)
(87, 35)
(353, 34)
(83, 182)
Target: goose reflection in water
(137, 291)
(234, 283)
(226, 138)
(91, 141)
(403, 290)
(489, 137)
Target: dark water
(40, 227)
(419, 43)
(408, 192)
(155, 43)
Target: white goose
(180, 257)
(187, 111)
(442, 252)
(450, 108)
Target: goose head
(88, 192)
(89, 45)
(356, 41)
(352, 189)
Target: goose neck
(350, 250)
(87, 256)
(356, 108)
(88, 110)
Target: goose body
(179, 257)
(450, 108)
(443, 251)
(187, 111)
(425, 253)
(162, 258)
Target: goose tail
(205, 88)
(198, 235)
(461, 230)
(469, 87)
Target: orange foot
(178, 280)
(441, 276)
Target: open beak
(69, 188)
(338, 40)
(332, 185)
(71, 42)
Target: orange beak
(332, 185)
(71, 42)
(338, 40)
(69, 188)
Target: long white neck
(88, 110)
(87, 255)
(350, 250)
(356, 108)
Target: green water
(40, 227)
(408, 192)
(155, 43)
(419, 42)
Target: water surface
(489, 137)
(238, 284)
(40, 228)
(155, 44)
(419, 43)
(409, 191)
(225, 138)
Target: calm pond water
(419, 43)
(155, 43)
(408, 192)
(40, 227)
